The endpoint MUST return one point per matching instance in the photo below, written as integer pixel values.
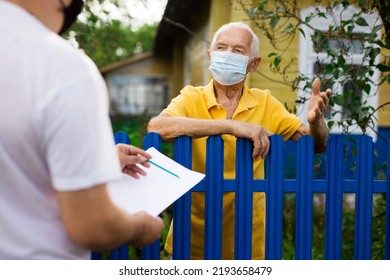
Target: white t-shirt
(55, 134)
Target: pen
(159, 166)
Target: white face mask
(228, 68)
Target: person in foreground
(227, 106)
(57, 152)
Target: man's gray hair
(238, 24)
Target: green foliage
(134, 126)
(112, 41)
(348, 224)
(106, 39)
(281, 22)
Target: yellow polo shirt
(255, 106)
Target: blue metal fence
(275, 186)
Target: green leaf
(274, 21)
(333, 52)
(329, 68)
(383, 68)
(277, 61)
(362, 3)
(322, 15)
(374, 53)
(308, 19)
(361, 21)
(367, 88)
(302, 32)
(339, 100)
(377, 28)
(272, 54)
(260, 7)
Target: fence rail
(275, 186)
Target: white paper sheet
(157, 190)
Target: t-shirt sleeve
(77, 135)
(181, 105)
(285, 123)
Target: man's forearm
(320, 133)
(171, 127)
(108, 226)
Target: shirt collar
(247, 100)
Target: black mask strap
(70, 14)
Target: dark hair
(70, 14)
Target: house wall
(177, 68)
(196, 57)
(188, 58)
(384, 97)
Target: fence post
(243, 200)
(152, 252)
(363, 209)
(334, 199)
(274, 200)
(304, 199)
(182, 207)
(213, 198)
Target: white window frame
(308, 57)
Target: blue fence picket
(121, 137)
(243, 200)
(95, 255)
(213, 198)
(304, 199)
(152, 252)
(275, 200)
(363, 208)
(334, 199)
(182, 207)
(121, 253)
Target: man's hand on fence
(256, 133)
(129, 156)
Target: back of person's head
(238, 24)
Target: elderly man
(56, 144)
(227, 106)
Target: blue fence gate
(333, 186)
